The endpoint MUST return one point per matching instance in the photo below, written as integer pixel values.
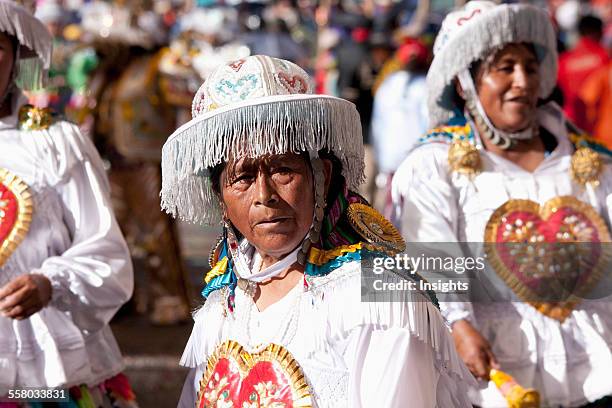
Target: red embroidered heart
(295, 84)
(236, 378)
(537, 255)
(15, 213)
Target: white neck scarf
(247, 262)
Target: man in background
(576, 65)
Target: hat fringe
(34, 37)
(504, 25)
(31, 74)
(287, 126)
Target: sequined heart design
(270, 378)
(237, 89)
(550, 255)
(15, 213)
(293, 84)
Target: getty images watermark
(491, 272)
(407, 273)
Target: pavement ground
(152, 353)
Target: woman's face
(7, 56)
(270, 201)
(508, 87)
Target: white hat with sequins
(252, 107)
(475, 31)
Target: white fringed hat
(252, 107)
(35, 44)
(473, 32)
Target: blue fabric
(227, 279)
(457, 120)
(322, 270)
(599, 148)
(447, 137)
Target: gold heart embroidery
(270, 378)
(534, 249)
(15, 213)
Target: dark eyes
(243, 178)
(283, 170)
(246, 178)
(509, 68)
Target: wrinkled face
(270, 201)
(508, 87)
(7, 56)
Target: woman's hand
(24, 296)
(474, 349)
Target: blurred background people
(575, 66)
(127, 71)
(399, 117)
(498, 162)
(65, 268)
(596, 96)
(130, 116)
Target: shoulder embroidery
(463, 156)
(447, 134)
(586, 165)
(322, 262)
(32, 118)
(584, 140)
(375, 229)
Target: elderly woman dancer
(283, 323)
(504, 166)
(64, 266)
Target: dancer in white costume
(497, 165)
(64, 265)
(283, 322)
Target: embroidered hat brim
(479, 34)
(265, 125)
(35, 41)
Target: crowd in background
(374, 53)
(126, 72)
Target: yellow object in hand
(515, 394)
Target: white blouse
(568, 363)
(399, 104)
(353, 354)
(74, 241)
